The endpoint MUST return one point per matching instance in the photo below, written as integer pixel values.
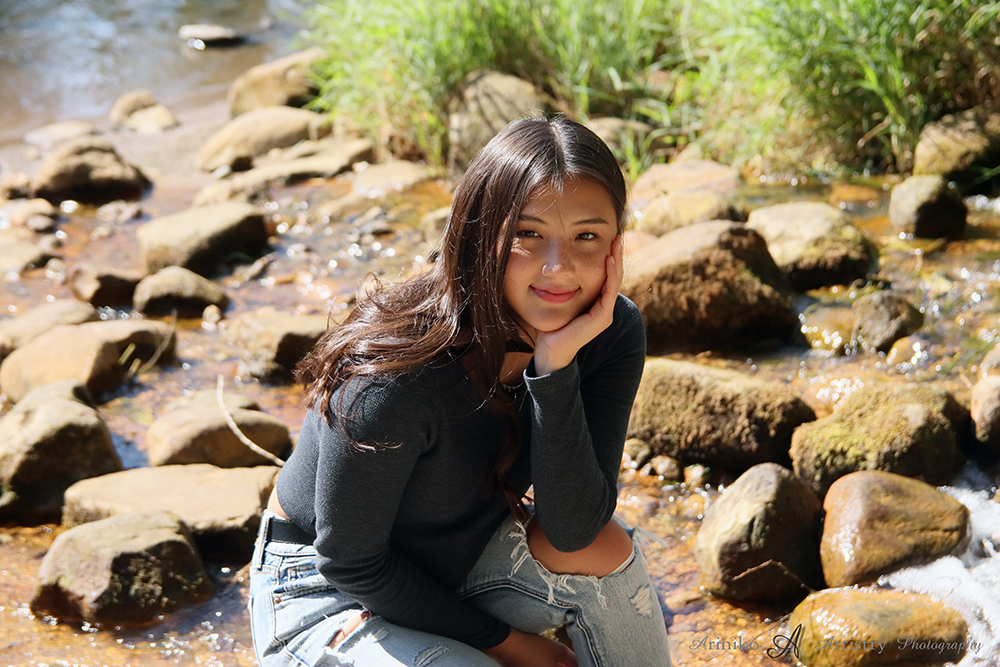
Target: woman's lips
(554, 295)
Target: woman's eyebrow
(586, 221)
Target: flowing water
(69, 59)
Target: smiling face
(557, 263)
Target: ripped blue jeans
(613, 620)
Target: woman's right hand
(521, 649)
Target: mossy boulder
(908, 429)
(721, 417)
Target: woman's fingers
(349, 626)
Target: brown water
(318, 262)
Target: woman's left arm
(579, 418)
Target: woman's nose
(557, 259)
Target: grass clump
(394, 65)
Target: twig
(236, 429)
(780, 566)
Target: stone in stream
(15, 185)
(103, 285)
(961, 147)
(877, 522)
(126, 569)
(51, 439)
(222, 506)
(201, 35)
(814, 243)
(829, 327)
(176, 290)
(17, 331)
(65, 352)
(985, 411)
(88, 170)
(137, 341)
(849, 627)
(271, 343)
(202, 435)
(19, 254)
(138, 111)
(882, 318)
(665, 213)
(684, 176)
(38, 215)
(249, 136)
(927, 207)
(485, 102)
(284, 82)
(912, 429)
(716, 416)
(712, 283)
(990, 364)
(209, 397)
(760, 539)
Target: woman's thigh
(295, 613)
(611, 620)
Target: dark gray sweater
(400, 524)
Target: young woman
(397, 534)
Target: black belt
(282, 530)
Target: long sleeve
(578, 420)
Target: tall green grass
(393, 65)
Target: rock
(960, 147)
(38, 215)
(848, 627)
(906, 428)
(130, 568)
(222, 506)
(90, 171)
(201, 35)
(485, 103)
(829, 327)
(65, 352)
(33, 322)
(986, 414)
(202, 238)
(877, 522)
(991, 362)
(18, 255)
(760, 539)
(910, 350)
(271, 343)
(256, 132)
(282, 82)
(151, 120)
(103, 286)
(665, 213)
(128, 104)
(926, 207)
(665, 467)
(393, 176)
(432, 224)
(119, 212)
(15, 185)
(709, 283)
(637, 452)
(57, 133)
(336, 157)
(51, 439)
(201, 435)
(712, 415)
(814, 244)
(683, 176)
(882, 318)
(136, 341)
(177, 290)
(630, 137)
(204, 398)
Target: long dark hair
(457, 308)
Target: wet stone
(17, 331)
(103, 286)
(877, 522)
(270, 343)
(256, 132)
(126, 569)
(985, 411)
(203, 435)
(176, 290)
(882, 318)
(88, 170)
(926, 207)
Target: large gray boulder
(51, 439)
(202, 238)
(126, 569)
(202, 435)
(485, 103)
(281, 82)
(176, 290)
(253, 134)
(88, 170)
(700, 414)
(961, 147)
(35, 321)
(814, 244)
(271, 343)
(65, 352)
(707, 284)
(877, 522)
(904, 428)
(882, 318)
(221, 506)
(927, 207)
(760, 539)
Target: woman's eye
(527, 234)
(587, 236)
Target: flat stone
(17, 331)
(176, 290)
(271, 343)
(202, 435)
